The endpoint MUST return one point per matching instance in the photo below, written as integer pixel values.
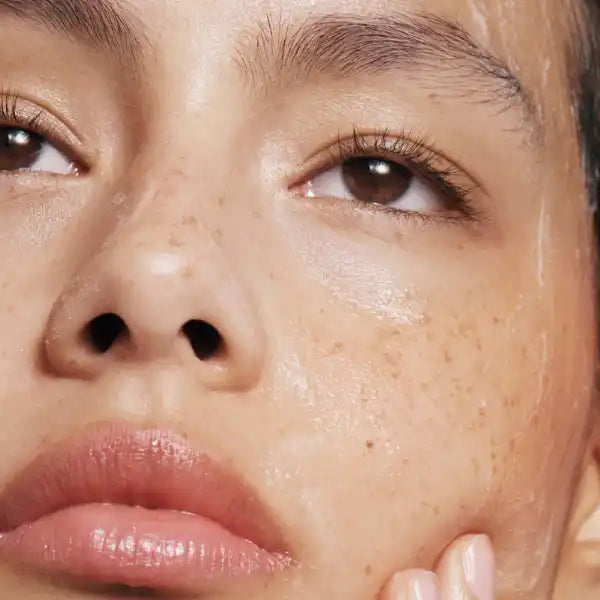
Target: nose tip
(195, 318)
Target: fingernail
(423, 586)
(479, 566)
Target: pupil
(19, 148)
(376, 181)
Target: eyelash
(419, 157)
(12, 116)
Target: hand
(465, 572)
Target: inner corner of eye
(302, 189)
(76, 170)
(81, 167)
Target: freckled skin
(386, 384)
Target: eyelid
(22, 112)
(342, 146)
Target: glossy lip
(149, 481)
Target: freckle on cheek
(175, 242)
(338, 347)
(391, 358)
(189, 220)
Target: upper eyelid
(384, 143)
(24, 104)
(22, 112)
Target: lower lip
(136, 547)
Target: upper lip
(137, 467)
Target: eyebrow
(96, 22)
(440, 54)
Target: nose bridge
(157, 246)
(168, 201)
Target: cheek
(458, 423)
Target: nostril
(204, 338)
(103, 331)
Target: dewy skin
(298, 299)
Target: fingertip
(469, 565)
(413, 585)
(479, 566)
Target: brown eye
(22, 150)
(373, 180)
(19, 149)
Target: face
(342, 249)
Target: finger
(466, 571)
(412, 585)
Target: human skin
(388, 383)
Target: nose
(147, 297)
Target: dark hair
(587, 98)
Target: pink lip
(137, 508)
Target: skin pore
(387, 377)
